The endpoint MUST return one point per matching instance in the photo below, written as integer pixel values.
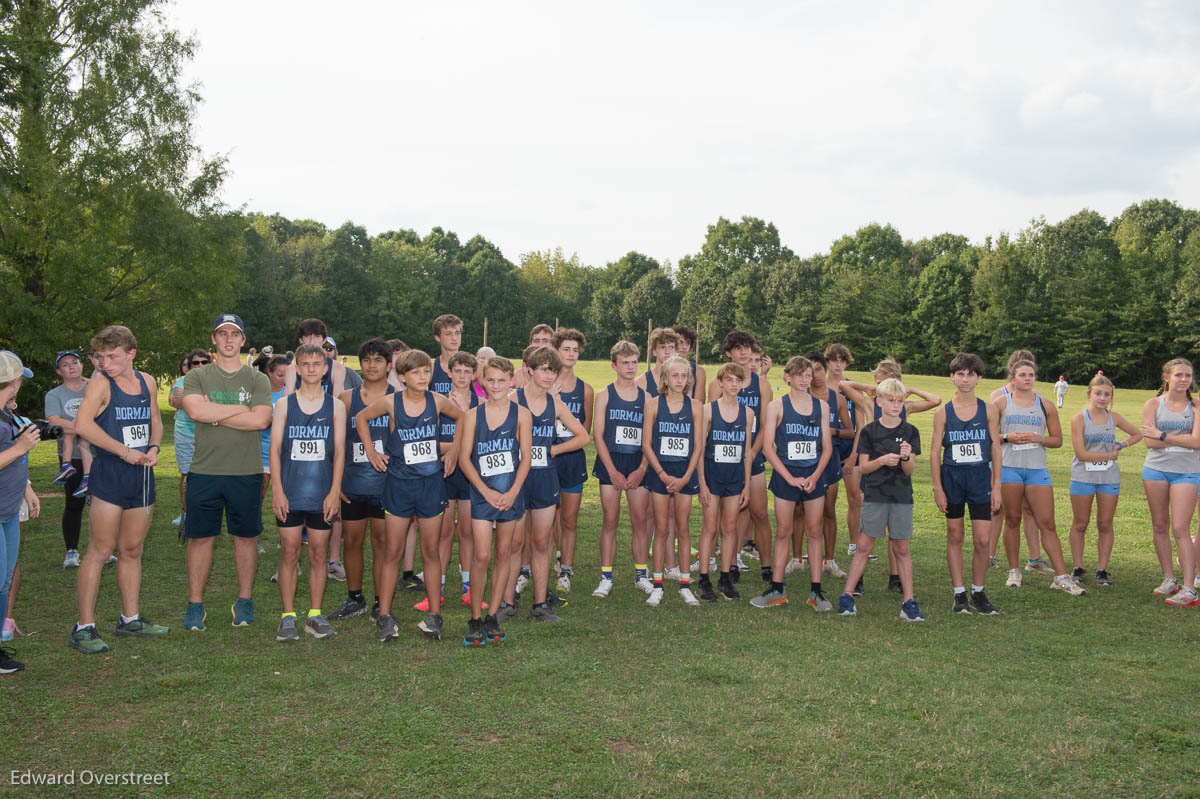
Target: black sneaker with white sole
(982, 606)
(727, 591)
(7, 664)
(705, 591)
(961, 605)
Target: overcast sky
(608, 127)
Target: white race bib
(753, 423)
(1176, 449)
(968, 453)
(674, 446)
(727, 453)
(1093, 466)
(625, 434)
(308, 449)
(1019, 447)
(561, 430)
(538, 457)
(801, 450)
(495, 463)
(136, 435)
(420, 452)
(360, 452)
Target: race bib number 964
(136, 435)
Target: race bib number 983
(495, 463)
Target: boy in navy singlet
(313, 331)
(965, 462)
(579, 398)
(539, 336)
(663, 343)
(308, 439)
(447, 332)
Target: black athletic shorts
(313, 520)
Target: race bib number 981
(727, 453)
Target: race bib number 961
(967, 453)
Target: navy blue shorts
(625, 462)
(457, 486)
(785, 491)
(423, 497)
(541, 488)
(844, 447)
(967, 484)
(238, 497)
(571, 468)
(758, 465)
(833, 471)
(673, 469)
(119, 483)
(482, 510)
(721, 482)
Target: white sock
(958, 589)
(127, 619)
(84, 626)
(975, 589)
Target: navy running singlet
(542, 437)
(797, 435)
(306, 455)
(412, 447)
(623, 422)
(441, 383)
(496, 453)
(359, 479)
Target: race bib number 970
(496, 463)
(629, 435)
(360, 452)
(801, 450)
(305, 449)
(136, 435)
(967, 453)
(420, 452)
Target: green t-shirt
(221, 449)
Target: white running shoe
(1196, 582)
(71, 561)
(336, 570)
(1169, 586)
(688, 597)
(604, 589)
(831, 568)
(850, 550)
(522, 581)
(644, 584)
(1014, 579)
(695, 566)
(741, 564)
(794, 566)
(564, 583)
(1186, 598)
(673, 573)
(655, 597)
(1063, 582)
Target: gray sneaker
(544, 613)
(769, 599)
(431, 625)
(318, 627)
(506, 611)
(287, 629)
(818, 602)
(349, 609)
(385, 627)
(1040, 566)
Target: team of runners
(426, 451)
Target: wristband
(154, 446)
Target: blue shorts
(782, 489)
(423, 497)
(572, 470)
(625, 462)
(1079, 489)
(238, 497)
(844, 446)
(1029, 477)
(541, 488)
(119, 483)
(833, 471)
(569, 489)
(673, 469)
(482, 510)
(969, 485)
(731, 486)
(758, 465)
(1171, 478)
(457, 486)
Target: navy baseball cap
(64, 354)
(228, 319)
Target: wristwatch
(1162, 436)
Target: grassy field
(1088, 696)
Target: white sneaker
(695, 566)
(1196, 582)
(644, 584)
(1169, 586)
(712, 565)
(336, 571)
(655, 597)
(850, 550)
(564, 583)
(604, 589)
(673, 573)
(688, 597)
(1184, 599)
(742, 567)
(71, 561)
(794, 566)
(831, 568)
(275, 576)
(522, 581)
(111, 560)
(1063, 582)
(1014, 579)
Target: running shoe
(750, 550)
(194, 616)
(846, 606)
(726, 590)
(261, 549)
(858, 588)
(1065, 583)
(741, 564)
(910, 612)
(707, 594)
(423, 605)
(412, 583)
(466, 599)
(243, 612)
(644, 585)
(982, 606)
(961, 604)
(1077, 575)
(319, 627)
(817, 601)
(64, 474)
(431, 625)
(491, 629)
(87, 641)
(141, 627)
(1196, 582)
(1169, 586)
(894, 584)
(688, 597)
(7, 664)
(604, 589)
(831, 568)
(71, 561)
(564, 583)
(522, 581)
(994, 563)
(506, 611)
(1014, 579)
(349, 609)
(474, 636)
(375, 610)
(769, 599)
(336, 570)
(275, 576)
(673, 574)
(286, 631)
(794, 566)
(385, 628)
(83, 488)
(1040, 566)
(850, 550)
(1102, 577)
(111, 560)
(542, 612)
(1185, 598)
(655, 598)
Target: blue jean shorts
(1079, 489)
(1171, 478)
(1029, 477)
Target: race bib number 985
(674, 446)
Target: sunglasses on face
(328, 348)
(200, 363)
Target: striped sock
(606, 572)
(640, 570)
(658, 578)
(685, 581)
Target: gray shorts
(887, 519)
(185, 446)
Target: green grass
(1086, 696)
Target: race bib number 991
(304, 449)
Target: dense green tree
(653, 298)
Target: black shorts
(980, 511)
(237, 497)
(312, 519)
(358, 509)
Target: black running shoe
(858, 588)
(961, 605)
(767, 573)
(7, 664)
(385, 628)
(1102, 577)
(982, 606)
(350, 608)
(1077, 575)
(413, 583)
(734, 573)
(726, 589)
(705, 591)
(554, 600)
(475, 635)
(894, 584)
(491, 629)
(375, 610)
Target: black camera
(48, 431)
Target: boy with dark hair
(313, 331)
(687, 342)
(579, 398)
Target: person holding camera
(119, 415)
(16, 440)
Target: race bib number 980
(420, 452)
(495, 463)
(629, 435)
(304, 449)
(967, 453)
(801, 450)
(136, 435)
(360, 452)
(674, 446)
(727, 453)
